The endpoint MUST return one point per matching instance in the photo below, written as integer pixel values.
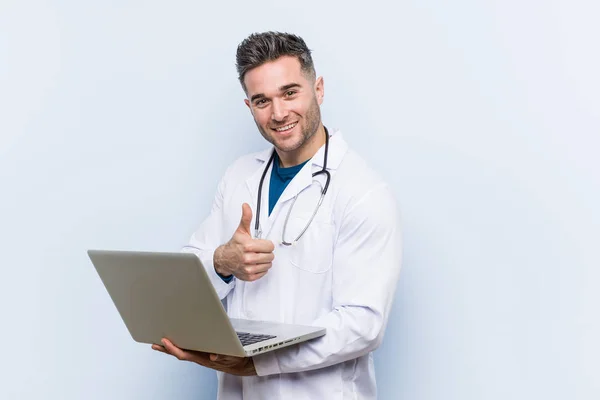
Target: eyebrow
(281, 89)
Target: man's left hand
(241, 366)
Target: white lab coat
(341, 275)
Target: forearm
(366, 267)
(352, 331)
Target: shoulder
(362, 191)
(357, 178)
(246, 165)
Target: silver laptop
(169, 295)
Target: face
(284, 103)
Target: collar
(337, 149)
(303, 179)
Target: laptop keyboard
(251, 338)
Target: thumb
(246, 219)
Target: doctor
(303, 232)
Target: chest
(298, 285)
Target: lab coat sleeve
(207, 238)
(366, 262)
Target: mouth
(286, 128)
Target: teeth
(285, 128)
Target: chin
(289, 145)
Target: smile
(287, 127)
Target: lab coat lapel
(252, 184)
(337, 149)
(304, 178)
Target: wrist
(249, 368)
(219, 269)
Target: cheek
(303, 107)
(297, 109)
(262, 117)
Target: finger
(160, 348)
(174, 350)
(250, 270)
(246, 219)
(259, 246)
(263, 258)
(251, 259)
(250, 277)
(255, 277)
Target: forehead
(270, 76)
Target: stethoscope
(257, 230)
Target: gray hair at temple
(259, 48)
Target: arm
(241, 257)
(366, 263)
(207, 238)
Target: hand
(246, 258)
(241, 366)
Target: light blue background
(118, 118)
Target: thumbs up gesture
(245, 258)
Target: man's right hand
(245, 258)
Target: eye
(290, 93)
(260, 102)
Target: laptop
(169, 295)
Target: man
(340, 274)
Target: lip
(285, 132)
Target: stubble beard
(313, 120)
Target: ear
(249, 106)
(320, 89)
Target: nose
(280, 111)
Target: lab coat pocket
(314, 250)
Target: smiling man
(326, 245)
(285, 107)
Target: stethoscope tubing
(257, 231)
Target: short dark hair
(259, 48)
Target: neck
(304, 152)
